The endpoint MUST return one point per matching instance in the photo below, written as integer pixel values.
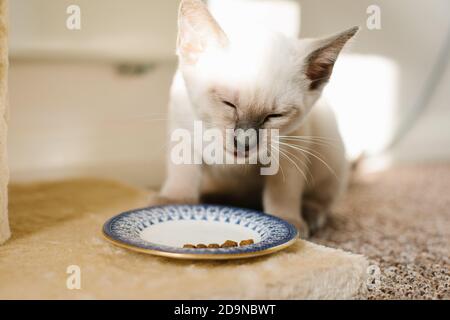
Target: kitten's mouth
(238, 154)
(246, 154)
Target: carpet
(57, 226)
(400, 220)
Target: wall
(111, 30)
(429, 139)
(70, 119)
(381, 92)
(73, 114)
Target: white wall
(429, 139)
(86, 119)
(72, 113)
(412, 36)
(75, 115)
(111, 30)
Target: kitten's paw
(315, 216)
(159, 200)
(303, 231)
(301, 226)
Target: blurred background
(93, 101)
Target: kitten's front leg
(182, 185)
(283, 195)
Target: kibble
(226, 244)
(248, 242)
(229, 244)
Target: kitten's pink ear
(320, 62)
(197, 31)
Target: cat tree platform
(56, 225)
(4, 175)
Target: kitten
(264, 82)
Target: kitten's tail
(356, 166)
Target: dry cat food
(226, 244)
(229, 244)
(246, 242)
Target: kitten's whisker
(316, 141)
(279, 163)
(294, 163)
(311, 147)
(306, 158)
(312, 154)
(306, 167)
(316, 155)
(303, 148)
(280, 150)
(312, 138)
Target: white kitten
(266, 81)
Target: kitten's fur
(262, 76)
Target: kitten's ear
(320, 62)
(197, 31)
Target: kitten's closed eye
(273, 116)
(227, 103)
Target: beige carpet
(56, 225)
(400, 219)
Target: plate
(164, 230)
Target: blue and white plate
(164, 231)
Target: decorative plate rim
(181, 253)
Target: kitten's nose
(246, 140)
